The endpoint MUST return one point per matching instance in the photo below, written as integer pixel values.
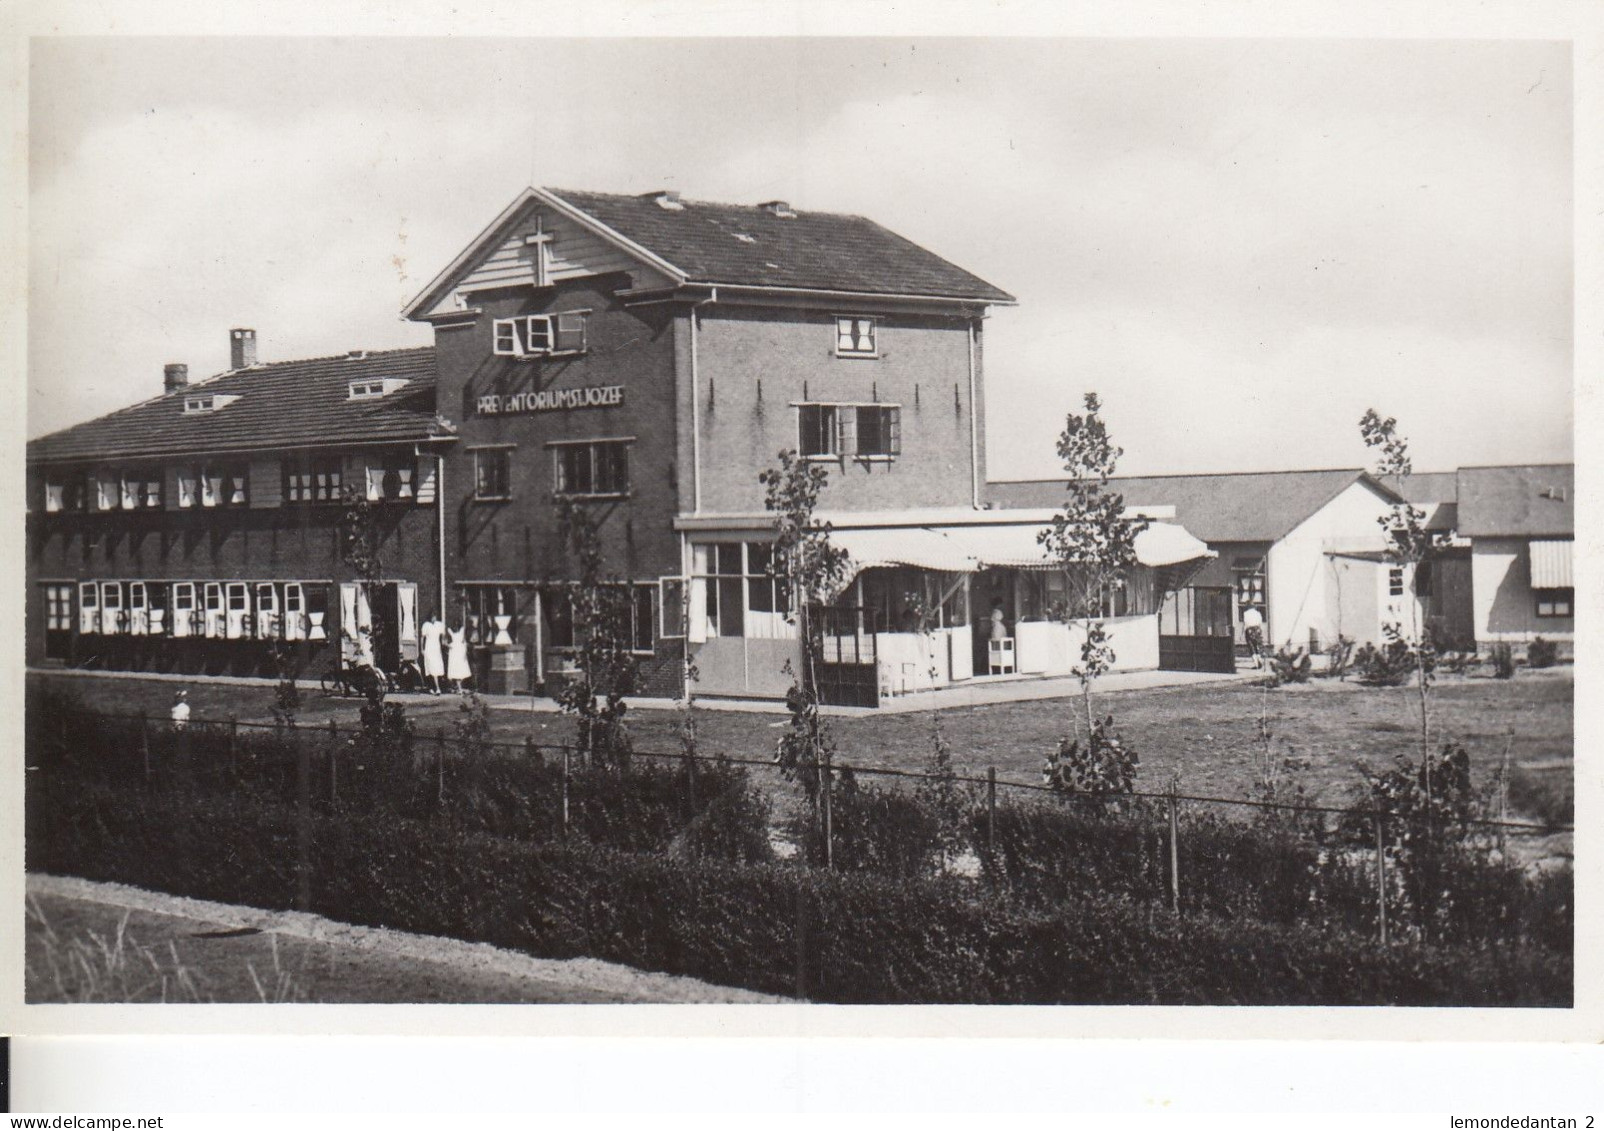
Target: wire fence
(313, 766)
(990, 781)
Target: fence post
(991, 810)
(565, 790)
(690, 770)
(440, 767)
(801, 941)
(1381, 878)
(303, 825)
(1175, 854)
(144, 743)
(829, 833)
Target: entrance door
(1449, 612)
(1194, 631)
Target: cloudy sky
(1239, 244)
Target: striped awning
(966, 549)
(1551, 564)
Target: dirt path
(103, 942)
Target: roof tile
(289, 404)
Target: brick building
(642, 357)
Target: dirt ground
(1207, 732)
(88, 942)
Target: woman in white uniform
(432, 633)
(457, 668)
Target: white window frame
(58, 607)
(295, 625)
(88, 607)
(846, 327)
(194, 405)
(138, 609)
(111, 607)
(515, 337)
(367, 389)
(214, 613)
(184, 606)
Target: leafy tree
(602, 640)
(1409, 546)
(1092, 541)
(812, 571)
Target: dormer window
(854, 337)
(372, 388)
(535, 335)
(208, 402)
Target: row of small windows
(224, 610)
(402, 478)
(510, 614)
(538, 335)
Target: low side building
(1304, 548)
(202, 529)
(1521, 525)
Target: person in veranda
(1253, 633)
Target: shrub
(1339, 655)
(1390, 665)
(1546, 795)
(857, 938)
(1459, 663)
(1503, 657)
(1542, 653)
(1290, 666)
(1104, 767)
(873, 829)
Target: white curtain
(407, 598)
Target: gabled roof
(1518, 501)
(1436, 493)
(1254, 506)
(743, 246)
(284, 405)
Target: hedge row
(1054, 854)
(517, 793)
(857, 938)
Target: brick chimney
(174, 377)
(241, 348)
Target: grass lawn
(77, 951)
(1207, 732)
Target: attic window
(854, 337)
(210, 402)
(744, 238)
(372, 388)
(537, 334)
(1555, 493)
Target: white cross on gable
(540, 240)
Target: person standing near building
(180, 712)
(432, 635)
(457, 667)
(1253, 633)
